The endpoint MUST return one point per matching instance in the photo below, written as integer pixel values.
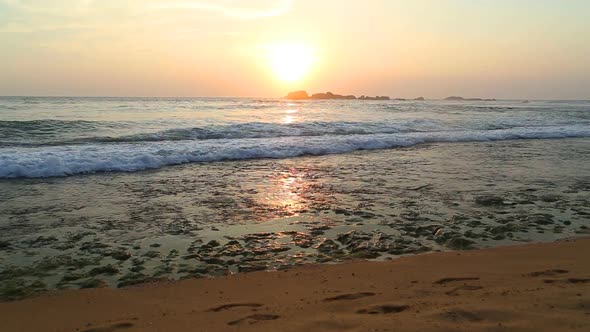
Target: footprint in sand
(459, 315)
(567, 281)
(457, 291)
(345, 297)
(111, 328)
(547, 273)
(252, 319)
(445, 281)
(384, 309)
(490, 315)
(235, 305)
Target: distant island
(455, 98)
(303, 95)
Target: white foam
(128, 157)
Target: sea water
(46, 137)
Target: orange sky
(502, 49)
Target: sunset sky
(537, 49)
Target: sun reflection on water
(291, 116)
(288, 119)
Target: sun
(290, 62)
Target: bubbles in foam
(128, 157)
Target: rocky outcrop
(297, 95)
(330, 95)
(302, 95)
(373, 98)
(420, 98)
(456, 98)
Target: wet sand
(534, 287)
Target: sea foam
(51, 161)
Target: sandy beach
(535, 287)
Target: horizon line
(259, 97)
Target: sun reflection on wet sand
(289, 192)
(286, 192)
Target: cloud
(48, 7)
(233, 8)
(30, 16)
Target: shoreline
(542, 286)
(214, 219)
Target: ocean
(45, 137)
(119, 191)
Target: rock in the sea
(330, 95)
(233, 249)
(505, 230)
(456, 98)
(327, 246)
(489, 200)
(252, 267)
(302, 95)
(352, 236)
(420, 98)
(365, 254)
(107, 270)
(72, 277)
(93, 283)
(453, 240)
(214, 260)
(342, 211)
(459, 243)
(152, 254)
(297, 95)
(213, 243)
(120, 255)
(302, 240)
(373, 98)
(540, 219)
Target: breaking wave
(55, 132)
(129, 156)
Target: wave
(56, 133)
(41, 132)
(270, 130)
(52, 132)
(129, 157)
(50, 124)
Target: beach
(294, 165)
(533, 287)
(269, 214)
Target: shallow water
(210, 219)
